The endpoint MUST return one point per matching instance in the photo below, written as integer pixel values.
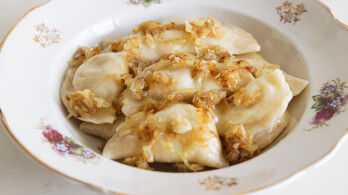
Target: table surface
(19, 175)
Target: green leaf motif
(317, 106)
(147, 3)
(70, 140)
(77, 151)
(318, 98)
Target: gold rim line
(4, 121)
(333, 16)
(304, 168)
(20, 19)
(15, 138)
(117, 193)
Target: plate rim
(317, 162)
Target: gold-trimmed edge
(117, 193)
(4, 121)
(302, 169)
(332, 15)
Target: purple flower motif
(323, 115)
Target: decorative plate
(299, 35)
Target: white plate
(33, 61)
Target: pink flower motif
(52, 135)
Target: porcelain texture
(301, 36)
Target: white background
(19, 175)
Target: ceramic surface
(301, 36)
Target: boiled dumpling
(90, 90)
(296, 85)
(183, 84)
(165, 45)
(153, 40)
(172, 76)
(185, 91)
(178, 133)
(266, 111)
(178, 20)
(234, 39)
(104, 130)
(266, 137)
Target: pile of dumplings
(186, 91)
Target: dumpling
(296, 85)
(104, 130)
(168, 42)
(268, 108)
(234, 39)
(178, 133)
(178, 20)
(183, 84)
(266, 137)
(90, 90)
(177, 75)
(153, 40)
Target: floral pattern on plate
(215, 183)
(289, 13)
(329, 102)
(65, 145)
(145, 3)
(46, 36)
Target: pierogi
(191, 92)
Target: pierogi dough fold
(267, 110)
(181, 74)
(296, 85)
(178, 133)
(153, 40)
(90, 90)
(104, 130)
